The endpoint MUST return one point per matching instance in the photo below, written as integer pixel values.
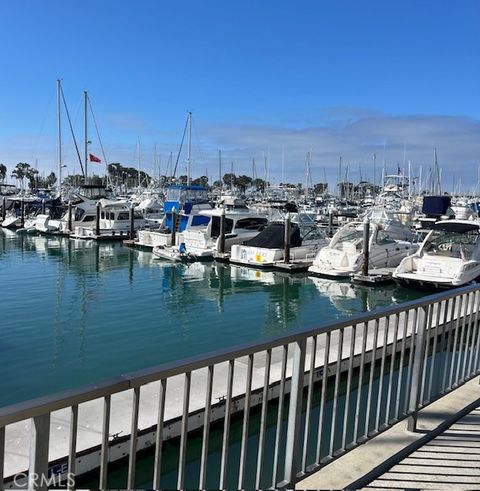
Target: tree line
(24, 173)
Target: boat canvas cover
(272, 237)
(435, 205)
(454, 226)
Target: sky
(268, 80)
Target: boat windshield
(351, 235)
(185, 194)
(451, 244)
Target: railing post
(2, 456)
(292, 461)
(417, 369)
(39, 440)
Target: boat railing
(319, 392)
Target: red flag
(92, 158)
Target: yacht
(201, 242)
(267, 249)
(188, 202)
(344, 255)
(448, 257)
(84, 212)
(114, 220)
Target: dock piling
(22, 213)
(4, 208)
(330, 223)
(221, 239)
(132, 224)
(97, 220)
(366, 247)
(174, 225)
(70, 217)
(286, 240)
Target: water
(75, 312)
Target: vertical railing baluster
(417, 369)
(338, 370)
(182, 458)
(463, 328)
(428, 333)
(453, 305)
(406, 319)
(278, 431)
(202, 481)
(473, 325)
(132, 460)
(263, 419)
(157, 463)
(245, 427)
(471, 363)
(392, 369)
(226, 427)
(2, 457)
(455, 339)
(444, 325)
(410, 359)
(371, 377)
(323, 396)
(349, 386)
(386, 328)
(466, 350)
(39, 444)
(308, 410)
(360, 382)
(72, 445)
(436, 335)
(476, 367)
(107, 404)
(292, 461)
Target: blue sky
(335, 78)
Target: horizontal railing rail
(427, 347)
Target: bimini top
(458, 226)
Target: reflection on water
(77, 311)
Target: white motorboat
(203, 242)
(187, 202)
(114, 220)
(448, 257)
(344, 255)
(267, 249)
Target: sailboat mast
(85, 97)
(220, 169)
(59, 141)
(189, 158)
(138, 161)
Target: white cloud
(354, 133)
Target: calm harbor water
(74, 312)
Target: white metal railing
(333, 387)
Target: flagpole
(59, 149)
(86, 134)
